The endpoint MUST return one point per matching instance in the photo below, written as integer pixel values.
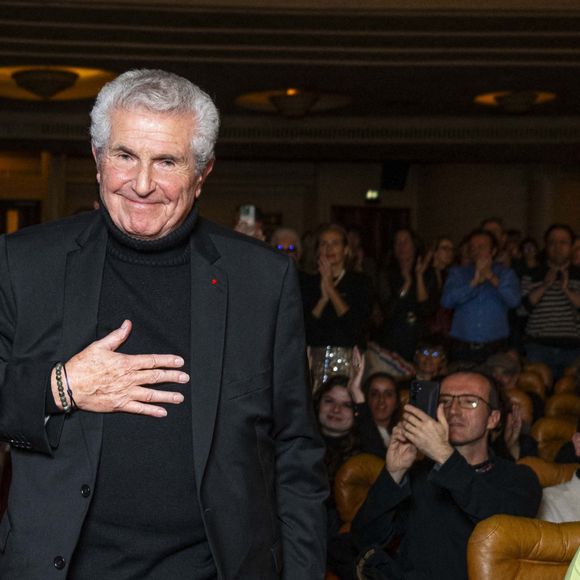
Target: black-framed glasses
(465, 401)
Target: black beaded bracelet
(60, 386)
(73, 403)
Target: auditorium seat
(551, 433)
(532, 382)
(515, 548)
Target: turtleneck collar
(170, 249)
(171, 240)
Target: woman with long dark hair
(405, 294)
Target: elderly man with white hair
(152, 372)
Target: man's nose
(144, 183)
(454, 408)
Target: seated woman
(377, 406)
(336, 301)
(334, 407)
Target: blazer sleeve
(301, 483)
(23, 381)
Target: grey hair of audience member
(157, 91)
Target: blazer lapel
(209, 295)
(84, 273)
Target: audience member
(438, 322)
(529, 257)
(553, 300)
(359, 261)
(513, 240)
(405, 294)
(334, 407)
(377, 405)
(576, 253)
(430, 359)
(506, 369)
(336, 301)
(434, 504)
(288, 241)
(494, 225)
(561, 503)
(480, 294)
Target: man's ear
(493, 420)
(206, 171)
(96, 158)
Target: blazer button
(59, 562)
(85, 490)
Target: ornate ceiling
(411, 70)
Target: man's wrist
(443, 454)
(396, 475)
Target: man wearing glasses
(424, 511)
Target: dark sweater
(331, 329)
(435, 511)
(144, 520)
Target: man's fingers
(156, 361)
(138, 408)
(157, 376)
(117, 337)
(147, 396)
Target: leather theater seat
(543, 370)
(352, 484)
(548, 472)
(551, 433)
(567, 384)
(565, 405)
(515, 548)
(531, 381)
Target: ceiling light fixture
(515, 101)
(292, 103)
(51, 83)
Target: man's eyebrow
(122, 149)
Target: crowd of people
(469, 317)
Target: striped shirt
(554, 319)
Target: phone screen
(248, 214)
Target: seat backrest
(548, 472)
(353, 481)
(543, 370)
(531, 381)
(521, 548)
(563, 405)
(567, 384)
(551, 433)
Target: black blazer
(263, 513)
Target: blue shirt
(481, 312)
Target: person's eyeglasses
(432, 353)
(291, 249)
(465, 401)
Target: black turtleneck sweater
(144, 520)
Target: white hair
(160, 92)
